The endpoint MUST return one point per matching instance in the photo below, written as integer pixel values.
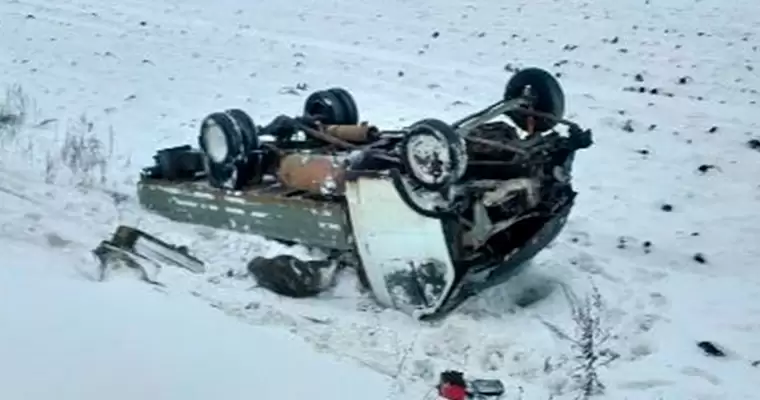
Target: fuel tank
(314, 173)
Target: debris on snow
(290, 276)
(142, 252)
(711, 349)
(704, 168)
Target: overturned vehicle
(431, 214)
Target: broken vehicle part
(433, 213)
(483, 388)
(289, 276)
(143, 252)
(112, 258)
(452, 385)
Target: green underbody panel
(264, 211)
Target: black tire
(326, 107)
(232, 176)
(230, 172)
(251, 167)
(549, 98)
(249, 130)
(352, 110)
(407, 194)
(232, 135)
(223, 176)
(455, 149)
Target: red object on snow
(452, 392)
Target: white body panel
(392, 238)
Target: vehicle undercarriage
(429, 214)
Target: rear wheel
(249, 133)
(334, 106)
(352, 110)
(221, 141)
(248, 129)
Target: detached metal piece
(480, 388)
(144, 252)
(453, 385)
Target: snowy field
(666, 225)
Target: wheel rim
(429, 156)
(215, 142)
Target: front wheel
(433, 154)
(547, 96)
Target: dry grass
(81, 157)
(589, 341)
(14, 109)
(83, 154)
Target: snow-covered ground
(65, 338)
(137, 75)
